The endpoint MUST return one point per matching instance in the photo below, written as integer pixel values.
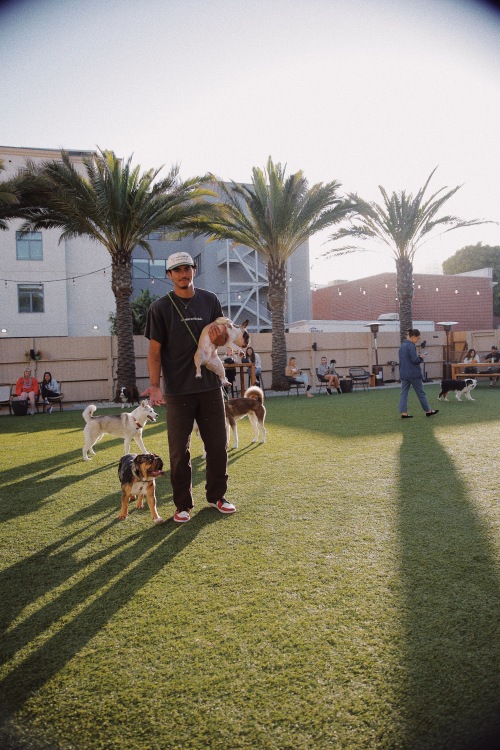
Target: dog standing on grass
(251, 406)
(137, 474)
(128, 426)
(461, 388)
(127, 394)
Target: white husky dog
(128, 426)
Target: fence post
(110, 369)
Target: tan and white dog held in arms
(137, 475)
(128, 426)
(235, 336)
(251, 406)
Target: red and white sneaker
(223, 506)
(182, 516)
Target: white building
(52, 288)
(47, 287)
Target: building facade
(48, 287)
(237, 275)
(53, 288)
(465, 298)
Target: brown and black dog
(127, 394)
(137, 474)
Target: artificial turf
(351, 602)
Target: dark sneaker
(182, 516)
(431, 413)
(329, 391)
(223, 506)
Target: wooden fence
(87, 365)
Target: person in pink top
(27, 389)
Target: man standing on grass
(173, 327)
(411, 376)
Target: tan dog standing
(235, 336)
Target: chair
(360, 377)
(258, 380)
(321, 381)
(5, 396)
(55, 400)
(232, 390)
(294, 384)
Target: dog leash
(183, 318)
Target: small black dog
(461, 388)
(137, 474)
(126, 394)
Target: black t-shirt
(164, 324)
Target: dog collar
(139, 425)
(141, 479)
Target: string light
(52, 281)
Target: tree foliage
(274, 216)
(115, 205)
(9, 198)
(140, 306)
(474, 257)
(403, 223)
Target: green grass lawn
(351, 602)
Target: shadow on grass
(110, 586)
(29, 490)
(451, 595)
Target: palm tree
(403, 223)
(274, 216)
(112, 203)
(8, 199)
(140, 306)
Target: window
(145, 269)
(30, 298)
(140, 269)
(157, 269)
(197, 260)
(29, 246)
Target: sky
(364, 92)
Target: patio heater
(447, 324)
(376, 370)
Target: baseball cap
(180, 259)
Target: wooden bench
(457, 371)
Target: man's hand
(155, 395)
(218, 334)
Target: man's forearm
(154, 369)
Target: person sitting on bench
(326, 374)
(493, 356)
(27, 389)
(295, 374)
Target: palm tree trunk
(122, 289)
(404, 284)
(276, 297)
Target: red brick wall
(457, 299)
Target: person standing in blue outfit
(410, 373)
